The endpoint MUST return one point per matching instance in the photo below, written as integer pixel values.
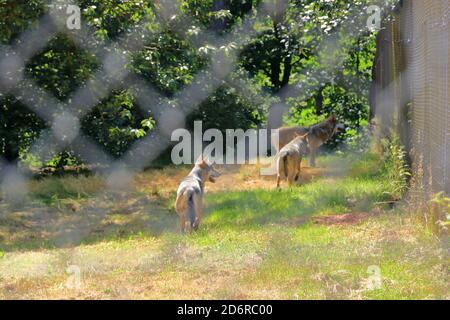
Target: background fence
(411, 88)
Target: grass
(254, 242)
(52, 189)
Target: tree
(296, 60)
(18, 125)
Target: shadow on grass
(69, 223)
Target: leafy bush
(225, 109)
(117, 122)
(395, 168)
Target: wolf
(290, 157)
(317, 135)
(189, 201)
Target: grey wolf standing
(289, 159)
(318, 135)
(189, 202)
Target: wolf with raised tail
(189, 202)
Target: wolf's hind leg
(278, 181)
(182, 223)
(312, 158)
(198, 211)
(299, 168)
(280, 171)
(291, 178)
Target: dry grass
(254, 243)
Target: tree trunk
(376, 81)
(319, 100)
(275, 70)
(279, 80)
(10, 155)
(11, 151)
(247, 6)
(287, 71)
(275, 63)
(11, 144)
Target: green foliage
(117, 122)
(113, 18)
(16, 17)
(345, 94)
(231, 12)
(168, 63)
(18, 127)
(287, 52)
(443, 204)
(357, 139)
(240, 111)
(305, 116)
(396, 169)
(61, 67)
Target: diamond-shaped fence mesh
(412, 89)
(63, 118)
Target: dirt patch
(234, 178)
(342, 219)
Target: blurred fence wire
(411, 93)
(63, 118)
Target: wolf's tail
(285, 160)
(191, 208)
(282, 161)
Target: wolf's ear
(207, 160)
(333, 118)
(200, 161)
(305, 137)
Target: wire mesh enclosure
(411, 88)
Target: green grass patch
(257, 207)
(254, 244)
(52, 189)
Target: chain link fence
(63, 118)
(412, 50)
(411, 89)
